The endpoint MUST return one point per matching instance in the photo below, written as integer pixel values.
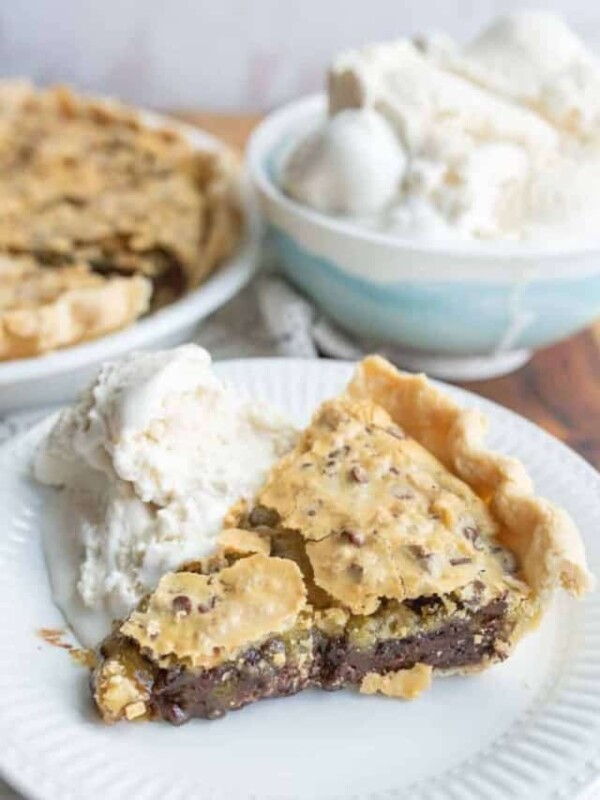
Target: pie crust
(43, 309)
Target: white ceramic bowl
(56, 377)
(467, 310)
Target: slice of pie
(388, 546)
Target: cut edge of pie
(419, 551)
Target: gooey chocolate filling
(313, 659)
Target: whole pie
(94, 201)
(387, 547)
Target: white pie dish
(463, 310)
(56, 377)
(527, 728)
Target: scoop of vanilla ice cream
(533, 57)
(150, 459)
(422, 99)
(352, 165)
(501, 136)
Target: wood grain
(559, 389)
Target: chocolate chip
(175, 714)
(457, 562)
(394, 470)
(182, 605)
(359, 474)
(262, 516)
(204, 608)
(311, 512)
(356, 571)
(252, 657)
(353, 536)
(339, 451)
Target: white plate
(529, 728)
(57, 376)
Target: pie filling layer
(285, 664)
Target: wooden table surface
(558, 389)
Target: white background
(224, 54)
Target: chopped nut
(431, 562)
(359, 474)
(353, 536)
(135, 710)
(395, 431)
(418, 551)
(473, 536)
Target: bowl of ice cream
(444, 200)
